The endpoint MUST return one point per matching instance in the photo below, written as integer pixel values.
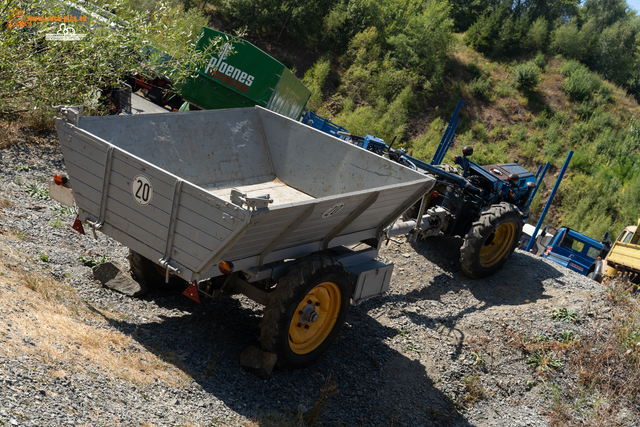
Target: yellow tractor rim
(497, 245)
(314, 318)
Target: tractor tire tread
(480, 229)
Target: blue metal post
(447, 144)
(450, 129)
(538, 183)
(546, 207)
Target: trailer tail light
(225, 267)
(59, 179)
(599, 259)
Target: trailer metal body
(247, 187)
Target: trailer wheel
(491, 240)
(153, 275)
(305, 312)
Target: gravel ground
(437, 349)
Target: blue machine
(487, 205)
(322, 124)
(573, 250)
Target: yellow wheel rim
(314, 318)
(497, 245)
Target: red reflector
(57, 178)
(435, 194)
(77, 225)
(192, 292)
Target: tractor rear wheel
(153, 275)
(491, 240)
(306, 312)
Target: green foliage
(564, 314)
(538, 36)
(544, 361)
(301, 21)
(540, 60)
(568, 337)
(38, 192)
(315, 79)
(570, 41)
(36, 73)
(479, 88)
(91, 262)
(425, 146)
(44, 257)
(580, 84)
(527, 75)
(21, 167)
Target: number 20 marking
(142, 190)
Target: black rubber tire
(152, 275)
(291, 290)
(482, 233)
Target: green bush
(540, 60)
(538, 36)
(527, 75)
(479, 88)
(584, 109)
(568, 40)
(315, 79)
(36, 73)
(580, 84)
(571, 66)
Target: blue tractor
(486, 205)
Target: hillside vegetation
(538, 79)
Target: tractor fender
(596, 271)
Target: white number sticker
(142, 190)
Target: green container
(244, 78)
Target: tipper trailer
(243, 201)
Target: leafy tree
(421, 45)
(567, 40)
(348, 18)
(36, 73)
(314, 79)
(617, 51)
(538, 35)
(605, 12)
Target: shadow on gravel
(519, 282)
(376, 385)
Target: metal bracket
(252, 203)
(73, 113)
(418, 227)
(177, 192)
(168, 268)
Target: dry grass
(22, 127)
(604, 370)
(5, 203)
(52, 324)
